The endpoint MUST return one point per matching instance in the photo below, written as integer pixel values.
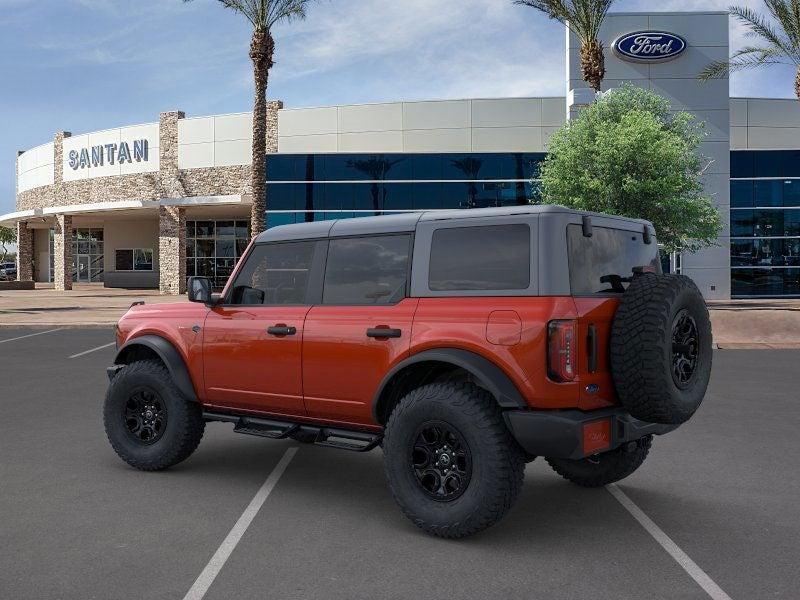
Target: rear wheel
(605, 468)
(451, 463)
(149, 423)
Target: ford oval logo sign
(649, 46)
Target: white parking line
(695, 572)
(92, 350)
(206, 578)
(22, 337)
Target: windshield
(604, 262)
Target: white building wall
(480, 125)
(215, 141)
(706, 35)
(35, 167)
(765, 124)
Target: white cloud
(420, 48)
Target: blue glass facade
(765, 223)
(309, 187)
(765, 198)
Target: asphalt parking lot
(78, 523)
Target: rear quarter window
(490, 257)
(607, 252)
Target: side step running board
(332, 437)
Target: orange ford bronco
(464, 343)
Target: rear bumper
(562, 433)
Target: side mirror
(199, 289)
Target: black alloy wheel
(145, 416)
(685, 348)
(441, 460)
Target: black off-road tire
(643, 352)
(605, 468)
(497, 461)
(181, 433)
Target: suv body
(325, 327)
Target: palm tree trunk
(262, 48)
(593, 64)
(797, 84)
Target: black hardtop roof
(407, 222)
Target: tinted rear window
(607, 252)
(492, 257)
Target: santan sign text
(97, 156)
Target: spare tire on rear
(661, 348)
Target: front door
(252, 341)
(83, 269)
(362, 327)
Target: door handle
(281, 330)
(383, 332)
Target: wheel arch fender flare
(169, 355)
(496, 381)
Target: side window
(275, 274)
(491, 257)
(368, 270)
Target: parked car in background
(8, 271)
(464, 343)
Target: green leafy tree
(628, 155)
(263, 15)
(8, 236)
(584, 19)
(778, 40)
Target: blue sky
(84, 65)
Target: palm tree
(583, 18)
(262, 15)
(780, 42)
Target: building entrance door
(83, 269)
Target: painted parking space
(83, 524)
(725, 485)
(80, 520)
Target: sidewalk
(771, 324)
(736, 324)
(87, 305)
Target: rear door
(252, 345)
(599, 264)
(361, 328)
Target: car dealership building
(147, 205)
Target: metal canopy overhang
(11, 219)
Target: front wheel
(451, 463)
(149, 423)
(605, 468)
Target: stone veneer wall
(171, 249)
(217, 181)
(62, 251)
(24, 252)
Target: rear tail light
(561, 350)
